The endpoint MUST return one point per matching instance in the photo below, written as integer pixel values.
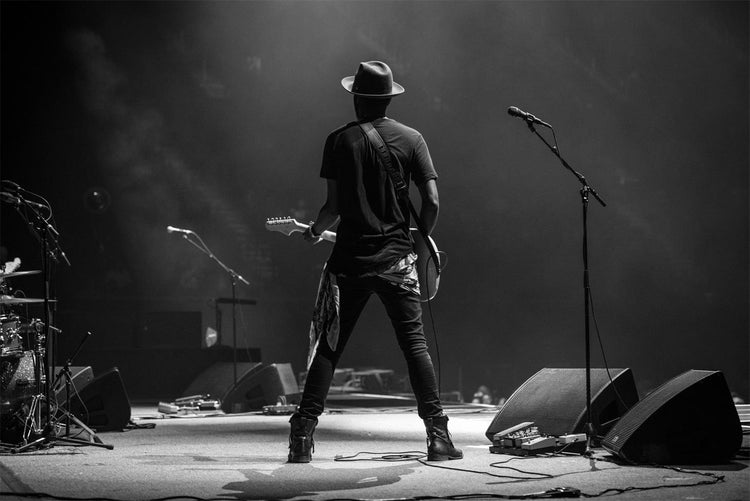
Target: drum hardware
(40, 329)
(47, 436)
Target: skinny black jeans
(405, 313)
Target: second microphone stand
(586, 189)
(234, 276)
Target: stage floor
(243, 456)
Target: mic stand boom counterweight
(585, 190)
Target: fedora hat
(373, 79)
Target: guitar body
(429, 277)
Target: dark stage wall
(129, 117)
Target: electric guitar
(429, 278)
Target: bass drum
(17, 389)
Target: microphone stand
(46, 233)
(586, 189)
(234, 276)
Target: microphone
(172, 229)
(18, 201)
(515, 112)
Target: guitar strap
(402, 190)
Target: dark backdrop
(129, 117)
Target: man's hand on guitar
(309, 236)
(288, 225)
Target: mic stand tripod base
(93, 437)
(39, 442)
(49, 438)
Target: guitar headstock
(285, 225)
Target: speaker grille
(689, 419)
(656, 400)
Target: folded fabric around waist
(325, 319)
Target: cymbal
(22, 300)
(19, 273)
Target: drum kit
(31, 417)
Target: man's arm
(328, 215)
(428, 213)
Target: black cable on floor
(382, 456)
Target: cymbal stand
(234, 276)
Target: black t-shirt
(374, 230)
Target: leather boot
(439, 444)
(301, 443)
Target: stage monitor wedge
(257, 385)
(103, 404)
(690, 419)
(555, 400)
(262, 387)
(217, 381)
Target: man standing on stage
(373, 254)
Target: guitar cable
(604, 356)
(434, 329)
